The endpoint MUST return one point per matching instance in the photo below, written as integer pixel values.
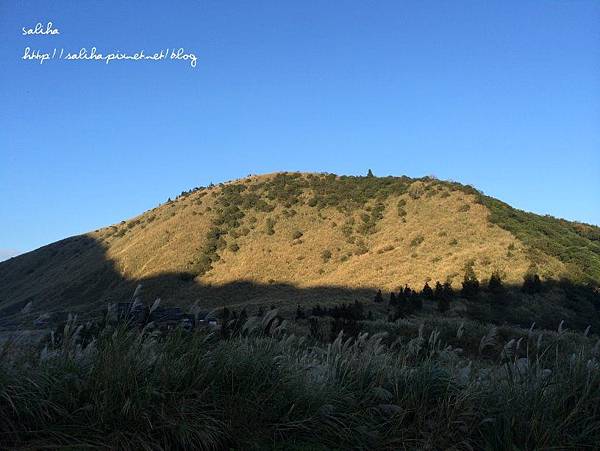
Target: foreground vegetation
(343, 324)
(268, 383)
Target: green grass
(576, 245)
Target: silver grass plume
(27, 307)
(530, 331)
(518, 346)
(137, 292)
(461, 330)
(155, 305)
(509, 350)
(539, 342)
(489, 339)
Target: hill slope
(296, 235)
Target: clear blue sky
(503, 95)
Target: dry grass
(404, 387)
(169, 242)
(169, 238)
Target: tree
(393, 299)
(448, 291)
(442, 294)
(470, 285)
(370, 173)
(378, 297)
(438, 291)
(427, 292)
(531, 284)
(495, 285)
(299, 312)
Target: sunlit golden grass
(450, 238)
(439, 228)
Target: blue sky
(503, 95)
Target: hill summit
(291, 235)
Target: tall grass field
(269, 386)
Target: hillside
(292, 236)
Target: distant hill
(291, 236)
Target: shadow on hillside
(76, 275)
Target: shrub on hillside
(470, 284)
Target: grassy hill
(293, 236)
(306, 355)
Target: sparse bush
(417, 240)
(270, 226)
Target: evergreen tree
(427, 292)
(392, 299)
(470, 285)
(378, 297)
(370, 173)
(438, 291)
(448, 291)
(495, 284)
(531, 284)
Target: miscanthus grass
(264, 388)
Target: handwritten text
(93, 54)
